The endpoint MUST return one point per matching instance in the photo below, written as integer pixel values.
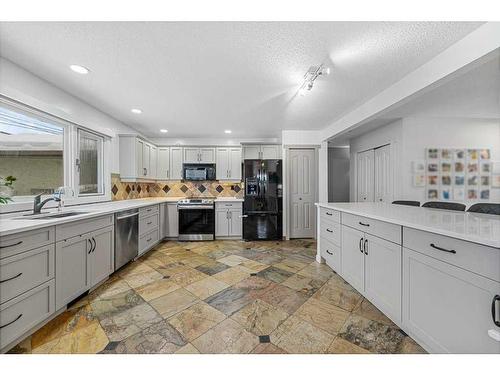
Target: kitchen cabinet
(163, 172)
(176, 161)
(171, 224)
(264, 151)
(169, 163)
(199, 155)
(138, 159)
(448, 309)
(228, 163)
(353, 258)
(153, 163)
(82, 262)
(228, 221)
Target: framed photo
(446, 154)
(459, 167)
(458, 194)
(432, 153)
(432, 194)
(445, 194)
(459, 155)
(472, 155)
(495, 181)
(472, 168)
(485, 180)
(432, 180)
(459, 180)
(432, 167)
(446, 180)
(484, 194)
(419, 180)
(485, 154)
(485, 167)
(472, 180)
(446, 167)
(471, 194)
(418, 166)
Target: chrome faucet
(37, 205)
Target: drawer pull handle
(15, 320)
(440, 248)
(14, 244)
(149, 223)
(95, 244)
(329, 230)
(149, 239)
(90, 242)
(494, 312)
(365, 247)
(360, 242)
(329, 213)
(328, 252)
(364, 224)
(11, 278)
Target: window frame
(100, 172)
(70, 154)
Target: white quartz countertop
(479, 228)
(10, 224)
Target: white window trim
(70, 154)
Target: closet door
(365, 176)
(383, 174)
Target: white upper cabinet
(153, 162)
(138, 159)
(169, 163)
(199, 155)
(163, 171)
(265, 152)
(228, 163)
(175, 163)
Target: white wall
(422, 133)
(25, 87)
(301, 137)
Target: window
(89, 163)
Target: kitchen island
(435, 273)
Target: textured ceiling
(198, 78)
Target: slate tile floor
(223, 297)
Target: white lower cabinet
(353, 258)
(172, 221)
(446, 308)
(228, 221)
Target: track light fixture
(312, 73)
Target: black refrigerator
(263, 206)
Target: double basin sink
(48, 216)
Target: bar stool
(445, 205)
(485, 208)
(408, 203)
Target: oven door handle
(199, 207)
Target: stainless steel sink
(53, 215)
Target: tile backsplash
(127, 190)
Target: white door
(222, 164)
(235, 164)
(383, 275)
(251, 152)
(207, 155)
(353, 257)
(270, 152)
(365, 179)
(138, 158)
(191, 155)
(383, 174)
(163, 170)
(302, 193)
(235, 222)
(172, 221)
(448, 308)
(146, 154)
(153, 162)
(175, 163)
(102, 255)
(221, 223)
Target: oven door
(196, 224)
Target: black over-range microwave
(198, 172)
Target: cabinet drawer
(387, 231)
(65, 231)
(24, 312)
(331, 231)
(17, 243)
(148, 240)
(479, 259)
(149, 210)
(148, 223)
(331, 253)
(329, 214)
(226, 205)
(22, 272)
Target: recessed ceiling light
(137, 111)
(228, 131)
(164, 130)
(79, 69)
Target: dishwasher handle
(127, 216)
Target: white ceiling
(198, 78)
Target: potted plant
(6, 190)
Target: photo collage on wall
(455, 174)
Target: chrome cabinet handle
(14, 244)
(365, 247)
(440, 248)
(360, 242)
(15, 320)
(495, 313)
(11, 278)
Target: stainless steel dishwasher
(126, 237)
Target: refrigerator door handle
(243, 216)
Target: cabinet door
(222, 164)
(72, 269)
(235, 222)
(153, 161)
(207, 155)
(251, 152)
(270, 152)
(191, 155)
(139, 154)
(146, 154)
(383, 275)
(383, 174)
(102, 255)
(221, 223)
(235, 164)
(365, 180)
(172, 221)
(175, 163)
(447, 308)
(163, 170)
(353, 257)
